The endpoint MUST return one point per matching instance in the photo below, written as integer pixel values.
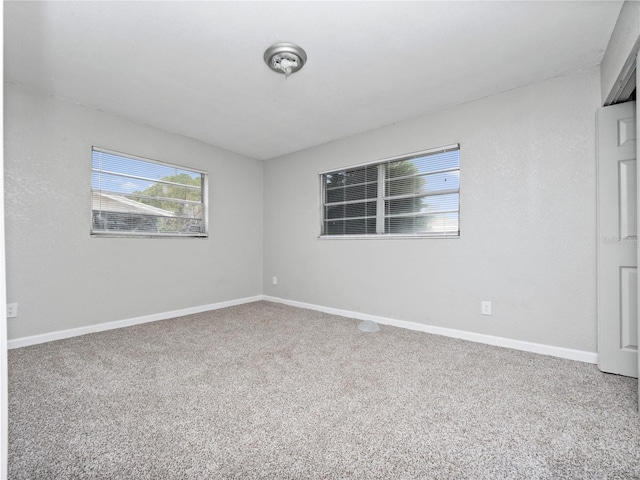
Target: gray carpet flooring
(270, 391)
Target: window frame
(148, 234)
(380, 199)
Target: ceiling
(196, 68)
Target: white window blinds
(412, 195)
(132, 196)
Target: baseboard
(101, 327)
(578, 355)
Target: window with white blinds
(413, 195)
(133, 196)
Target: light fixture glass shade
(286, 58)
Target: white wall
(528, 221)
(61, 277)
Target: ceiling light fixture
(285, 58)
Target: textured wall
(527, 219)
(60, 276)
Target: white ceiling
(196, 68)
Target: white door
(617, 240)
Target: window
(133, 196)
(412, 195)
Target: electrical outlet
(12, 310)
(486, 308)
(275, 280)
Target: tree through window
(413, 195)
(132, 196)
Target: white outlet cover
(12, 310)
(486, 308)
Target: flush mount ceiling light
(285, 58)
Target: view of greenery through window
(164, 194)
(420, 195)
(133, 196)
(402, 206)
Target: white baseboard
(101, 327)
(578, 355)
(570, 354)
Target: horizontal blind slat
(135, 177)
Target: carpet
(265, 390)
